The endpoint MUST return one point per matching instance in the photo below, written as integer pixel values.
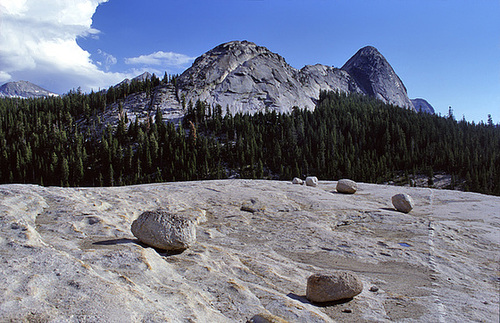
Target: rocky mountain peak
(219, 62)
(24, 89)
(421, 105)
(376, 77)
(249, 78)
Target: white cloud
(109, 60)
(38, 44)
(164, 59)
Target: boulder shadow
(113, 242)
(161, 252)
(303, 299)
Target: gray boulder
(347, 186)
(312, 181)
(298, 181)
(403, 202)
(166, 230)
(333, 286)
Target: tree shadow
(304, 300)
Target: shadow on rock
(303, 299)
(113, 242)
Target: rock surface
(422, 105)
(266, 318)
(312, 181)
(403, 202)
(333, 287)
(248, 78)
(376, 77)
(25, 90)
(347, 186)
(165, 230)
(68, 254)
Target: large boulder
(312, 181)
(333, 286)
(347, 186)
(165, 229)
(403, 202)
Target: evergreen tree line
(346, 136)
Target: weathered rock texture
(24, 89)
(422, 105)
(376, 78)
(165, 230)
(347, 186)
(332, 287)
(67, 254)
(312, 181)
(403, 202)
(248, 78)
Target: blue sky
(446, 51)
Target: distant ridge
(24, 90)
(421, 105)
(248, 78)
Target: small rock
(298, 181)
(166, 230)
(252, 206)
(374, 289)
(312, 181)
(347, 186)
(333, 286)
(402, 202)
(347, 310)
(266, 318)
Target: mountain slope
(422, 105)
(24, 89)
(248, 78)
(376, 77)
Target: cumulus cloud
(164, 59)
(109, 60)
(38, 43)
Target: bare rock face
(312, 181)
(376, 77)
(24, 89)
(347, 186)
(403, 202)
(69, 254)
(266, 318)
(248, 78)
(165, 230)
(421, 105)
(333, 286)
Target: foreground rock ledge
(69, 254)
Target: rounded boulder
(165, 230)
(403, 202)
(333, 286)
(312, 181)
(298, 181)
(347, 186)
